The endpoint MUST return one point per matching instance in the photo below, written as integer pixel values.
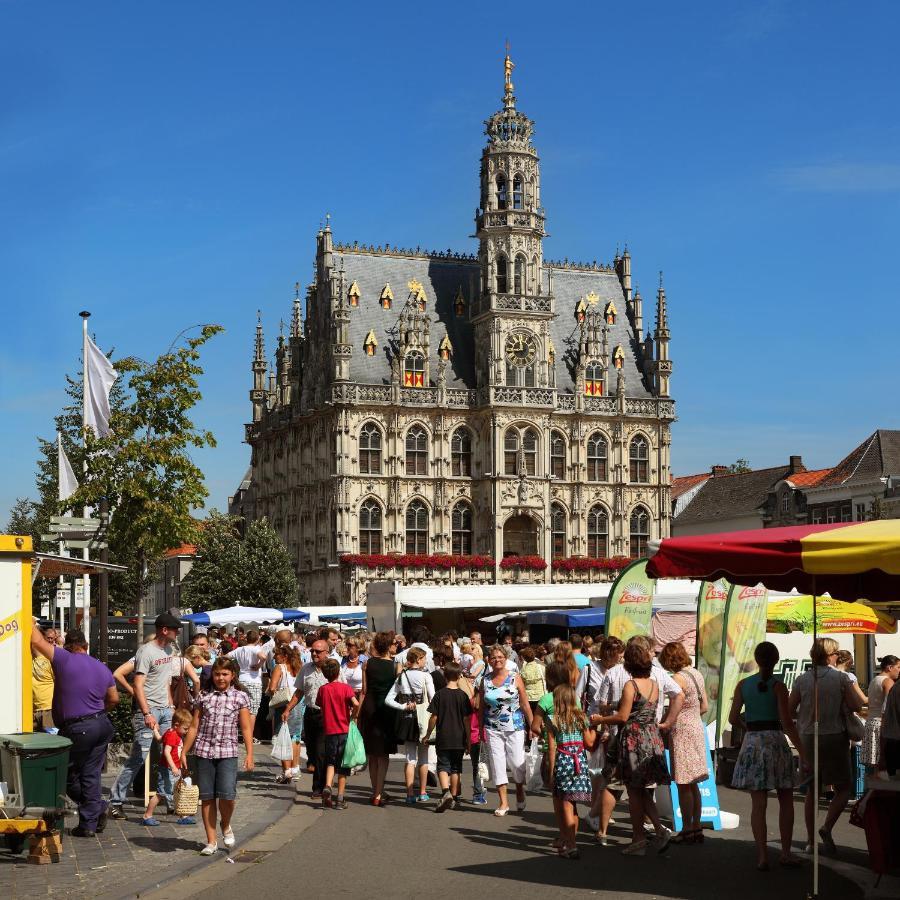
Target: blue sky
(169, 164)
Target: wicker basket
(187, 798)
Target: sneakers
(410, 800)
(661, 842)
(520, 805)
(423, 798)
(151, 822)
(444, 803)
(457, 803)
(186, 820)
(479, 799)
(635, 848)
(209, 850)
(340, 803)
(228, 837)
(101, 822)
(115, 812)
(326, 798)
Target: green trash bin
(34, 766)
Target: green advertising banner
(629, 607)
(745, 626)
(710, 632)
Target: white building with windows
(451, 417)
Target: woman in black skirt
(376, 719)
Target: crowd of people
(589, 720)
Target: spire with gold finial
(508, 65)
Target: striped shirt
(217, 733)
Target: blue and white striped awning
(236, 615)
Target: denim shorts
(335, 745)
(450, 761)
(217, 778)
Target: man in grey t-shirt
(152, 711)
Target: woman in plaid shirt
(213, 736)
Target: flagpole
(85, 400)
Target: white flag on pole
(68, 484)
(100, 377)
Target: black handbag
(407, 726)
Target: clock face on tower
(521, 348)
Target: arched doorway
(520, 537)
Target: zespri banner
(745, 626)
(711, 603)
(629, 607)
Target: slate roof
(728, 496)
(877, 455)
(442, 278)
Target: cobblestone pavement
(128, 856)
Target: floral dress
(571, 776)
(501, 705)
(688, 735)
(642, 756)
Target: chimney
(796, 465)
(716, 471)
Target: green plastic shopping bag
(355, 751)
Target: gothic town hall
(452, 418)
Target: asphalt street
(402, 852)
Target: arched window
(596, 457)
(502, 280)
(461, 452)
(529, 193)
(462, 529)
(557, 455)
(511, 452)
(517, 192)
(417, 527)
(557, 531)
(640, 531)
(519, 275)
(639, 459)
(370, 527)
(501, 192)
(414, 370)
(530, 448)
(370, 449)
(598, 533)
(416, 450)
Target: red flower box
(527, 563)
(588, 564)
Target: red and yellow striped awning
(849, 561)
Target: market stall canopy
(49, 565)
(336, 615)
(795, 613)
(849, 561)
(236, 615)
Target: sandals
(501, 811)
(568, 852)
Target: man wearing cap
(84, 691)
(152, 711)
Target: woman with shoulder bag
(281, 689)
(413, 688)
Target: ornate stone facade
(494, 405)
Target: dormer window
(580, 311)
(353, 294)
(459, 304)
(593, 380)
(370, 344)
(414, 370)
(618, 357)
(610, 313)
(445, 349)
(387, 296)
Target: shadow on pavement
(716, 869)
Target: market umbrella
(832, 617)
(849, 561)
(234, 615)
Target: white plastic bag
(484, 773)
(534, 781)
(282, 748)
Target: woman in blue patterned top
(507, 717)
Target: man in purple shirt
(84, 691)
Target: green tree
(143, 467)
(22, 518)
(254, 570)
(740, 465)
